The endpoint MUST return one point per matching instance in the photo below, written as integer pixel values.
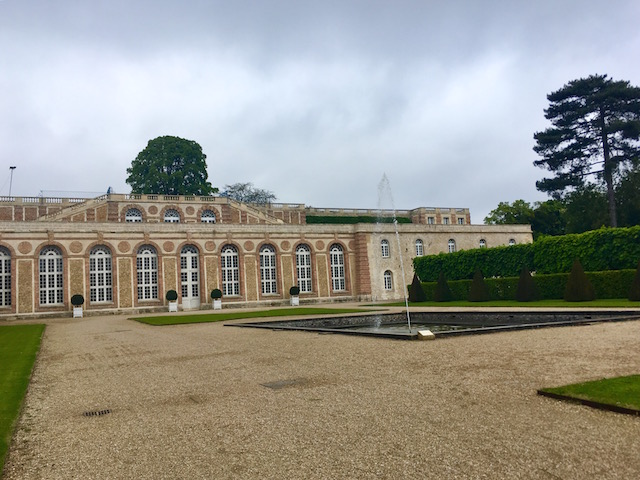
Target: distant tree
(170, 166)
(520, 212)
(585, 209)
(595, 121)
(548, 218)
(628, 198)
(247, 193)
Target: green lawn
(617, 392)
(608, 302)
(19, 345)
(231, 315)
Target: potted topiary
(172, 297)
(216, 295)
(294, 292)
(77, 301)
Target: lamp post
(11, 179)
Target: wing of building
(124, 252)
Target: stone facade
(48, 248)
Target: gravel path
(190, 402)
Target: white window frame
(419, 248)
(338, 281)
(451, 245)
(5, 277)
(445, 220)
(460, 221)
(208, 216)
(100, 275)
(230, 268)
(268, 279)
(388, 280)
(431, 220)
(384, 247)
(303, 268)
(133, 215)
(51, 276)
(190, 267)
(171, 216)
(147, 273)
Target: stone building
(124, 252)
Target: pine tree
(443, 292)
(416, 292)
(479, 291)
(579, 288)
(527, 290)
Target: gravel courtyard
(209, 401)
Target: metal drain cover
(96, 413)
(279, 384)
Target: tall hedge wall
(611, 284)
(598, 250)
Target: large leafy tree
(518, 212)
(596, 128)
(170, 166)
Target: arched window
(100, 276)
(147, 268)
(189, 274)
(512, 242)
(384, 246)
(483, 243)
(133, 215)
(419, 248)
(452, 245)
(268, 269)
(388, 280)
(303, 268)
(171, 216)
(208, 216)
(230, 271)
(337, 268)
(5, 277)
(51, 284)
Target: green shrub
(295, 290)
(416, 293)
(442, 291)
(479, 291)
(216, 293)
(171, 296)
(579, 288)
(77, 300)
(634, 291)
(527, 290)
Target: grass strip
(221, 317)
(19, 345)
(603, 303)
(620, 394)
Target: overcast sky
(313, 100)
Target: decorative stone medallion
(320, 245)
(24, 247)
(210, 246)
(168, 246)
(352, 245)
(249, 246)
(190, 210)
(124, 246)
(153, 209)
(75, 247)
(285, 245)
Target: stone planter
(77, 312)
(295, 300)
(217, 304)
(173, 306)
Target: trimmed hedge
(353, 219)
(609, 284)
(598, 250)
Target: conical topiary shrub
(634, 292)
(442, 292)
(416, 292)
(527, 290)
(479, 291)
(579, 288)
